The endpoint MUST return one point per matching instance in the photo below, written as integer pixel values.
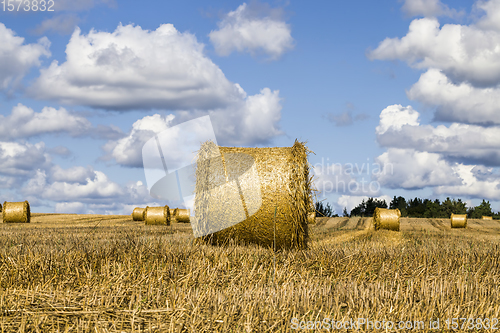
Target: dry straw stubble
(157, 215)
(225, 188)
(386, 219)
(458, 220)
(138, 214)
(16, 212)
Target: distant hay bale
(138, 214)
(182, 215)
(487, 217)
(157, 215)
(458, 220)
(16, 212)
(311, 218)
(238, 191)
(386, 219)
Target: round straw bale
(386, 219)
(487, 217)
(253, 195)
(311, 217)
(16, 212)
(182, 215)
(157, 215)
(458, 220)
(138, 214)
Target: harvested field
(98, 273)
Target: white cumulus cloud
(457, 102)
(399, 128)
(24, 122)
(244, 30)
(463, 53)
(132, 68)
(16, 58)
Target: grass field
(88, 273)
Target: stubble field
(89, 273)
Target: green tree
(484, 209)
(345, 213)
(324, 210)
(433, 209)
(416, 207)
(367, 208)
(399, 203)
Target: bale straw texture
(311, 218)
(157, 215)
(238, 189)
(16, 212)
(487, 217)
(386, 219)
(138, 214)
(458, 220)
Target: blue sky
(407, 89)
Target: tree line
(414, 208)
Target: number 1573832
(27, 5)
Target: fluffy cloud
(76, 174)
(70, 207)
(426, 8)
(127, 151)
(463, 53)
(457, 102)
(19, 159)
(248, 30)
(399, 128)
(84, 190)
(394, 117)
(482, 184)
(410, 169)
(16, 58)
(24, 122)
(132, 68)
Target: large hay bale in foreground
(487, 217)
(311, 218)
(157, 215)
(239, 191)
(16, 212)
(458, 220)
(138, 214)
(386, 219)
